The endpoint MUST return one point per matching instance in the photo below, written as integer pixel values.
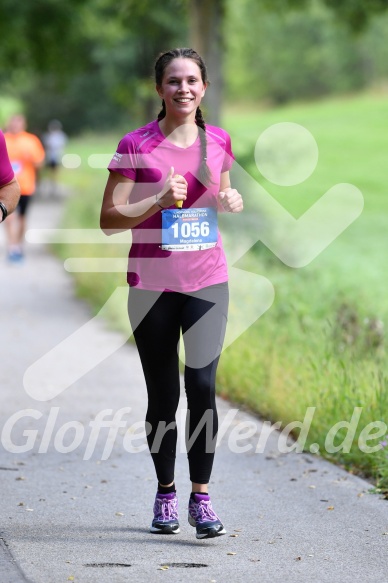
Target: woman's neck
(182, 133)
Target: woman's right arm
(118, 215)
(9, 195)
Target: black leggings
(157, 318)
(23, 204)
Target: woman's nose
(183, 87)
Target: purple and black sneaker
(165, 514)
(203, 517)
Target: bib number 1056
(190, 229)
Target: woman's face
(182, 87)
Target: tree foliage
(357, 13)
(354, 13)
(297, 54)
(42, 35)
(89, 62)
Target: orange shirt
(25, 152)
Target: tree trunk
(206, 18)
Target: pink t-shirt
(6, 172)
(146, 156)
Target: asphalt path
(76, 504)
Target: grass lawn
(321, 344)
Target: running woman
(167, 182)
(26, 154)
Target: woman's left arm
(229, 199)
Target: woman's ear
(159, 91)
(204, 89)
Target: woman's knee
(200, 386)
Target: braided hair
(161, 63)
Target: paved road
(290, 517)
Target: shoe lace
(166, 509)
(205, 512)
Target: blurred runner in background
(54, 141)
(26, 154)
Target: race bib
(193, 229)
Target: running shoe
(15, 256)
(165, 514)
(203, 517)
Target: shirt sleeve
(124, 160)
(6, 172)
(229, 156)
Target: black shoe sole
(213, 533)
(164, 530)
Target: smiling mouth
(184, 99)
